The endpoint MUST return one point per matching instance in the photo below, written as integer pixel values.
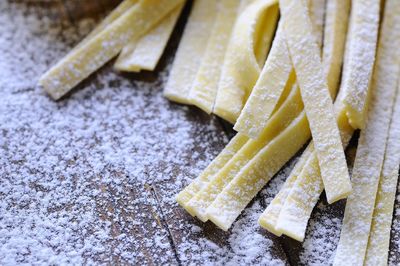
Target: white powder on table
(83, 179)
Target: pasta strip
(317, 13)
(205, 85)
(272, 80)
(336, 23)
(379, 237)
(265, 30)
(289, 111)
(364, 26)
(191, 50)
(257, 172)
(206, 176)
(94, 53)
(317, 101)
(298, 209)
(303, 196)
(291, 108)
(268, 89)
(144, 54)
(110, 18)
(241, 66)
(371, 145)
(269, 217)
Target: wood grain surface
(116, 205)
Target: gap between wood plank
(165, 224)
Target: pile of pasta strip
(136, 31)
(287, 74)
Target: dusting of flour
(92, 178)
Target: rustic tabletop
(92, 178)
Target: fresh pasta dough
(372, 143)
(241, 66)
(191, 51)
(105, 45)
(318, 105)
(144, 53)
(204, 88)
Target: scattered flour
(92, 178)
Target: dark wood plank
(136, 206)
(128, 210)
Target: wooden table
(132, 217)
